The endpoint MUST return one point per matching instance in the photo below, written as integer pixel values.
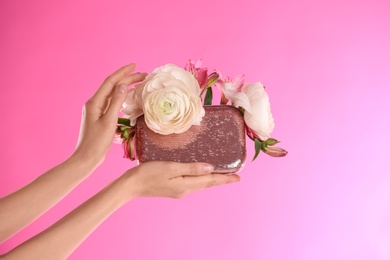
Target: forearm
(61, 239)
(20, 208)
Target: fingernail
(122, 88)
(208, 168)
(236, 178)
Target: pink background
(326, 65)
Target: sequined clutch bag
(219, 140)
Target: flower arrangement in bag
(172, 98)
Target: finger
(106, 89)
(128, 80)
(119, 95)
(209, 180)
(190, 169)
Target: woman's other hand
(100, 114)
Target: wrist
(128, 185)
(86, 164)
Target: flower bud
(275, 151)
(129, 149)
(213, 78)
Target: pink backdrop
(326, 65)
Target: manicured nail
(122, 88)
(208, 168)
(235, 178)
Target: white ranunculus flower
(170, 100)
(260, 119)
(132, 106)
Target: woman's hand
(100, 115)
(172, 179)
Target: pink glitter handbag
(219, 140)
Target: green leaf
(209, 97)
(271, 141)
(263, 146)
(258, 145)
(123, 121)
(122, 128)
(125, 134)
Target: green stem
(203, 90)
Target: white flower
(171, 100)
(132, 106)
(254, 100)
(259, 118)
(239, 99)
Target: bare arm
(100, 113)
(20, 208)
(153, 179)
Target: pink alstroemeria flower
(199, 73)
(251, 134)
(229, 87)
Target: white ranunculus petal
(260, 119)
(171, 102)
(242, 100)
